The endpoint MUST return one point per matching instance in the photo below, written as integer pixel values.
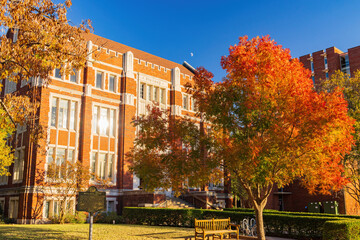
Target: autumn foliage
(271, 126)
(168, 153)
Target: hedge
(282, 225)
(293, 213)
(342, 230)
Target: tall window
(99, 79)
(162, 96)
(103, 121)
(13, 208)
(56, 161)
(148, 92)
(156, 94)
(73, 76)
(112, 83)
(312, 66)
(185, 102)
(325, 62)
(142, 91)
(18, 165)
(61, 115)
(103, 165)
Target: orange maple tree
(271, 126)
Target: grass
(100, 231)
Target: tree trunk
(259, 220)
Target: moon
(191, 54)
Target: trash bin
(331, 207)
(314, 207)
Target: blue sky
(173, 29)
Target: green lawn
(100, 231)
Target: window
(142, 91)
(112, 123)
(47, 209)
(95, 120)
(57, 73)
(193, 104)
(162, 96)
(148, 92)
(111, 166)
(63, 113)
(13, 208)
(313, 79)
(103, 165)
(104, 120)
(73, 76)
(110, 206)
(112, 83)
(55, 161)
(99, 79)
(93, 164)
(18, 165)
(344, 62)
(72, 115)
(185, 102)
(326, 63)
(10, 86)
(156, 94)
(60, 114)
(312, 66)
(53, 112)
(4, 179)
(327, 75)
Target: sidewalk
(277, 238)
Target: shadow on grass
(19, 233)
(160, 235)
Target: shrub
(78, 217)
(109, 217)
(342, 230)
(282, 225)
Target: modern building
(88, 118)
(322, 65)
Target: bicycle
(249, 227)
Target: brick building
(322, 65)
(88, 117)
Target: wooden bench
(217, 228)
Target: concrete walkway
(277, 238)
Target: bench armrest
(234, 225)
(199, 228)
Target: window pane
(103, 123)
(156, 91)
(60, 162)
(185, 102)
(99, 79)
(57, 73)
(95, 120)
(63, 113)
(21, 164)
(111, 124)
(53, 112)
(73, 75)
(142, 91)
(46, 209)
(102, 165)
(93, 164)
(111, 166)
(112, 83)
(72, 115)
(50, 156)
(71, 156)
(162, 96)
(148, 92)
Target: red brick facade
(116, 85)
